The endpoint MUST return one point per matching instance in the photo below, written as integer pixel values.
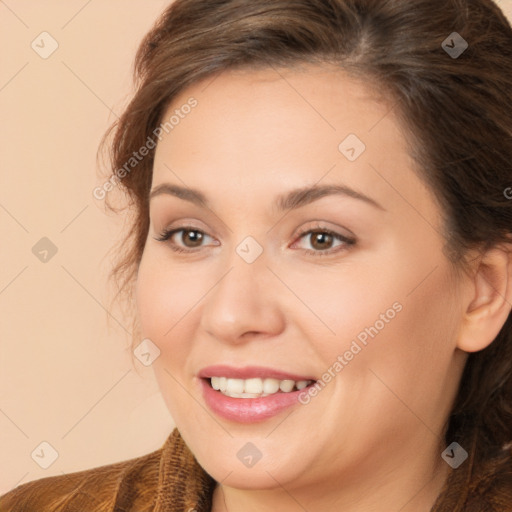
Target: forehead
(317, 103)
(270, 128)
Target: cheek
(166, 298)
(411, 360)
(396, 319)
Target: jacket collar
(183, 485)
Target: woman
(320, 258)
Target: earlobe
(490, 302)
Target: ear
(490, 299)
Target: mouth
(251, 394)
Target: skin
(371, 439)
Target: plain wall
(66, 378)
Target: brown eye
(321, 240)
(183, 239)
(324, 242)
(191, 238)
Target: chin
(259, 477)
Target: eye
(190, 237)
(322, 240)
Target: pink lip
(247, 410)
(248, 372)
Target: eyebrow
(292, 200)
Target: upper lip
(247, 372)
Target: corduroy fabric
(166, 480)
(171, 480)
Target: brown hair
(458, 115)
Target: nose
(245, 303)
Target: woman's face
(345, 286)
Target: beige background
(66, 378)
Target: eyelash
(167, 234)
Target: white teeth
(215, 383)
(270, 385)
(219, 383)
(286, 385)
(255, 387)
(235, 386)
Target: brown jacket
(166, 480)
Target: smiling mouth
(255, 387)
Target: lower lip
(247, 410)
